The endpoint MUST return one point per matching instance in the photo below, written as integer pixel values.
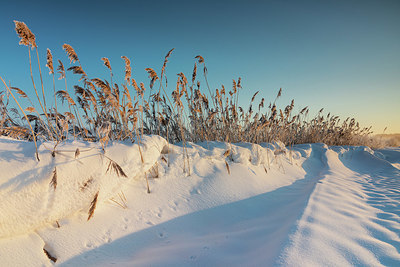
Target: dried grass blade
(53, 181)
(227, 153)
(93, 206)
(227, 167)
(77, 152)
(52, 258)
(112, 165)
(265, 169)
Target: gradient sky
(343, 56)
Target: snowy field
(310, 205)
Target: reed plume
(73, 57)
(108, 114)
(106, 62)
(49, 63)
(128, 70)
(27, 37)
(152, 75)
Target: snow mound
(242, 204)
(28, 198)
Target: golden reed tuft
(71, 53)
(106, 62)
(49, 63)
(128, 70)
(27, 37)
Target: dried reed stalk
(227, 167)
(28, 39)
(23, 112)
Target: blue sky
(343, 56)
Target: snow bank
(243, 204)
(353, 215)
(28, 199)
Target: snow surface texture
(310, 205)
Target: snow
(308, 205)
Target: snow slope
(311, 205)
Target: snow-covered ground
(310, 205)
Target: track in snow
(334, 206)
(247, 232)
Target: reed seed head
(27, 37)
(106, 62)
(73, 57)
(49, 63)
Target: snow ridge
(310, 205)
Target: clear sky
(343, 56)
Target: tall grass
(100, 110)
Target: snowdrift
(28, 197)
(243, 204)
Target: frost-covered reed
(101, 110)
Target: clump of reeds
(102, 111)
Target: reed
(98, 110)
(26, 117)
